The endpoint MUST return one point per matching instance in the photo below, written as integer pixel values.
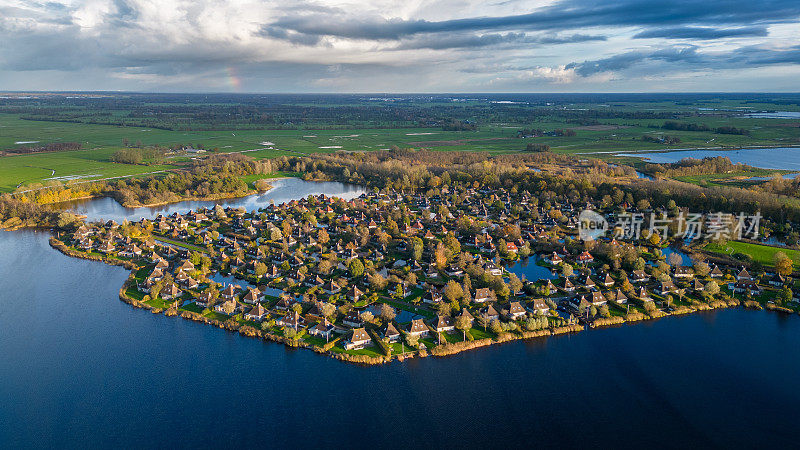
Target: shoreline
(441, 350)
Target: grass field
(613, 135)
(763, 254)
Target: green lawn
(763, 254)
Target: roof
(359, 335)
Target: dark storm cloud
(682, 58)
(702, 33)
(567, 14)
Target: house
(597, 299)
(665, 287)
(588, 283)
(131, 251)
(716, 272)
(489, 313)
(697, 286)
(190, 283)
(515, 311)
(745, 286)
(465, 313)
(228, 304)
(568, 286)
(257, 313)
(538, 306)
(777, 280)
(418, 328)
(106, 247)
(253, 296)
(390, 333)
(204, 299)
(322, 329)
(744, 275)
(432, 296)
(354, 294)
(492, 269)
(358, 340)
(444, 323)
(683, 272)
(553, 259)
(283, 304)
(551, 288)
(644, 295)
(483, 295)
(330, 287)
(229, 293)
(171, 291)
(585, 258)
(640, 276)
(608, 281)
(617, 296)
(353, 319)
(291, 319)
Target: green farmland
(763, 254)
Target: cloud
(701, 32)
(680, 58)
(382, 45)
(451, 41)
(566, 14)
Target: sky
(391, 46)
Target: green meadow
(763, 254)
(601, 140)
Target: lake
(82, 369)
(787, 158)
(284, 190)
(775, 115)
(530, 270)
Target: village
(393, 274)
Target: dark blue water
(527, 267)
(82, 369)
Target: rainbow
(233, 80)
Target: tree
(567, 270)
(453, 291)
(711, 288)
(367, 316)
(785, 295)
(356, 268)
(377, 281)
(463, 323)
(289, 333)
(411, 339)
(416, 248)
(701, 268)
(604, 311)
(387, 313)
(783, 264)
(298, 308)
(327, 309)
(514, 283)
(675, 259)
(229, 307)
